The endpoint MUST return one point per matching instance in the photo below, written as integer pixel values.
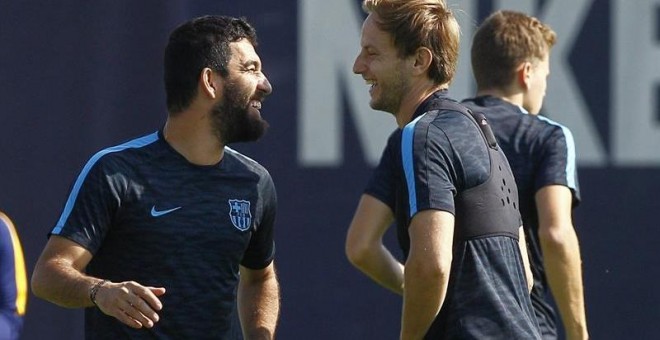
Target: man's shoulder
(544, 130)
(442, 124)
(551, 125)
(494, 108)
(137, 147)
(250, 164)
(453, 119)
(446, 109)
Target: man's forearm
(379, 264)
(563, 267)
(259, 308)
(62, 285)
(424, 294)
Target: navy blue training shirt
(148, 215)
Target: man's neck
(515, 98)
(412, 101)
(190, 134)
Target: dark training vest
(490, 208)
(487, 210)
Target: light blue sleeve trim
(570, 153)
(136, 143)
(408, 163)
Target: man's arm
(59, 278)
(259, 302)
(522, 243)
(561, 257)
(364, 244)
(427, 271)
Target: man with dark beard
(171, 235)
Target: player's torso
(185, 228)
(175, 216)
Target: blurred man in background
(510, 61)
(13, 281)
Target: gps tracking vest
(490, 208)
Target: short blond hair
(421, 23)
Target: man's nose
(265, 86)
(358, 65)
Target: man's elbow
(37, 284)
(435, 271)
(355, 253)
(42, 281)
(558, 236)
(358, 251)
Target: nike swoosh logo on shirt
(156, 213)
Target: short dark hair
(199, 43)
(505, 40)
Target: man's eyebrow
(251, 62)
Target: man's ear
(422, 61)
(524, 74)
(209, 83)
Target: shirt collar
(431, 102)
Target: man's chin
(260, 131)
(253, 134)
(377, 104)
(377, 107)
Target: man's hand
(131, 303)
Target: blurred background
(78, 76)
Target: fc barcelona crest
(239, 212)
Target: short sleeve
(557, 165)
(381, 185)
(427, 162)
(88, 211)
(261, 249)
